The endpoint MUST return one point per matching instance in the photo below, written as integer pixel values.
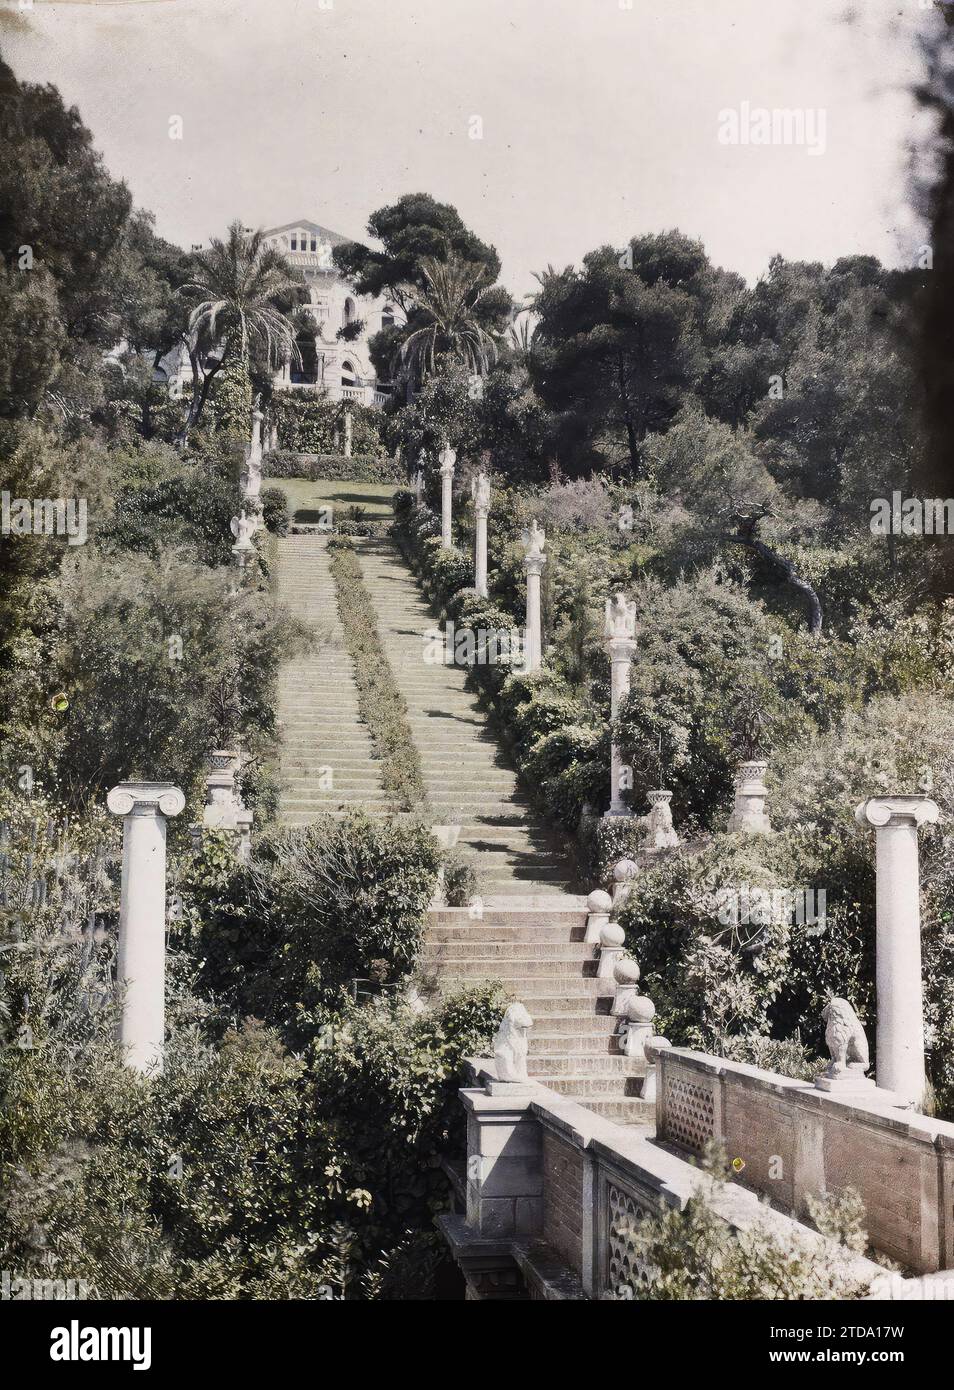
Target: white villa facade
(337, 369)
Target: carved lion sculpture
(845, 1038)
(511, 1042)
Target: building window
(304, 369)
(350, 311)
(348, 375)
(314, 243)
(294, 243)
(387, 316)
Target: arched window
(349, 314)
(348, 374)
(387, 316)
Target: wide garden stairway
(526, 928)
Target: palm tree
(447, 308)
(238, 284)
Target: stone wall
(563, 1198)
(796, 1140)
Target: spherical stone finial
(625, 870)
(598, 901)
(612, 935)
(639, 1009)
(626, 971)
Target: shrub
(360, 468)
(693, 1252)
(383, 707)
(314, 425)
(275, 511)
(194, 510)
(460, 881)
(320, 906)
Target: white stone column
(481, 512)
(900, 1033)
(447, 460)
(141, 969)
(349, 431)
(620, 633)
(534, 541)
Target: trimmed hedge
(383, 707)
(313, 424)
(332, 468)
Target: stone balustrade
(796, 1140)
(554, 1194)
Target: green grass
(306, 499)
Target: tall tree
(620, 343)
(240, 294)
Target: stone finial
(620, 619)
(481, 492)
(598, 907)
(243, 528)
(511, 1044)
(534, 543)
(447, 458)
(848, 1048)
(624, 876)
(660, 832)
(612, 948)
(626, 979)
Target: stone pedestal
(900, 1029)
(447, 460)
(504, 1162)
(252, 471)
(481, 512)
(224, 809)
(612, 950)
(749, 814)
(141, 968)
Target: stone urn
(660, 832)
(749, 814)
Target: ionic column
(900, 1031)
(348, 433)
(534, 541)
(481, 512)
(447, 460)
(144, 807)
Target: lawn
(307, 499)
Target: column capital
(879, 811)
(622, 648)
(145, 799)
(534, 564)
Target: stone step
(628, 1111)
(564, 953)
(593, 1065)
(621, 1087)
(481, 933)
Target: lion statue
(845, 1038)
(511, 1042)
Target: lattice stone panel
(626, 1267)
(689, 1114)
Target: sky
(598, 119)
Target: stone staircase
(466, 776)
(539, 956)
(528, 929)
(317, 698)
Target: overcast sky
(598, 121)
